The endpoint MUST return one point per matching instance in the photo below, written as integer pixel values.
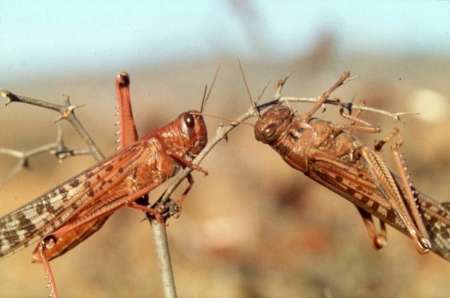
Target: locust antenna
(280, 85)
(231, 122)
(261, 94)
(248, 88)
(207, 92)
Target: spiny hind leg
(392, 192)
(379, 238)
(411, 197)
(40, 255)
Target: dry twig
(347, 105)
(56, 148)
(66, 112)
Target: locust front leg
(183, 196)
(186, 162)
(162, 211)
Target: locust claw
(379, 242)
(198, 168)
(423, 245)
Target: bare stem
(163, 257)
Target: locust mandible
(71, 212)
(331, 155)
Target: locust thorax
(273, 124)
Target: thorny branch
(66, 112)
(349, 106)
(56, 148)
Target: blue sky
(47, 35)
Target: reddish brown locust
(332, 156)
(71, 212)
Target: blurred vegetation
(254, 227)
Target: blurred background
(254, 227)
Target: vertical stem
(163, 256)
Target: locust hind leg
(410, 196)
(379, 238)
(47, 242)
(408, 188)
(387, 185)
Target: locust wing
(357, 186)
(48, 212)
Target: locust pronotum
(331, 155)
(71, 212)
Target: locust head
(188, 134)
(193, 130)
(272, 124)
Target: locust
(333, 156)
(71, 212)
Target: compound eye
(188, 124)
(269, 131)
(189, 121)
